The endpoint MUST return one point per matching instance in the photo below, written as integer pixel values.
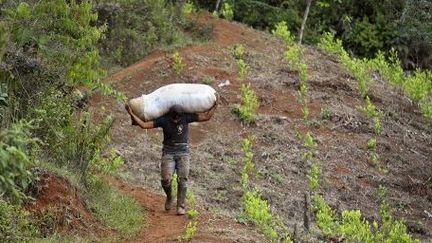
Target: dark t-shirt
(175, 134)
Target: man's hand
(136, 121)
(205, 116)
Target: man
(175, 152)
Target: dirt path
(163, 226)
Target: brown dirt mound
(60, 207)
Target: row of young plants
(255, 208)
(360, 68)
(416, 85)
(351, 227)
(247, 110)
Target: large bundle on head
(192, 98)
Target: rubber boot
(169, 197)
(181, 198)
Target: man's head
(175, 112)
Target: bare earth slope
(350, 180)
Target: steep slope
(350, 180)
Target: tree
(305, 15)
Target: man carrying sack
(175, 152)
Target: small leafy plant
(227, 11)
(249, 106)
(239, 51)
(243, 68)
(188, 7)
(178, 63)
(190, 231)
(281, 30)
(314, 176)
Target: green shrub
(325, 216)
(418, 86)
(314, 176)
(116, 209)
(247, 110)
(15, 161)
(239, 51)
(354, 228)
(249, 166)
(281, 30)
(188, 7)
(258, 210)
(330, 44)
(190, 231)
(243, 68)
(227, 11)
(80, 142)
(135, 27)
(178, 63)
(15, 225)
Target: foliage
(116, 209)
(178, 62)
(188, 7)
(314, 176)
(243, 68)
(239, 51)
(15, 225)
(108, 165)
(330, 44)
(281, 30)
(418, 86)
(325, 216)
(134, 28)
(190, 231)
(258, 211)
(249, 106)
(79, 143)
(227, 11)
(15, 161)
(249, 166)
(191, 201)
(354, 228)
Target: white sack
(192, 98)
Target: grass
(116, 209)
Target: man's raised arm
(137, 121)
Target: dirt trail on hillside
(349, 181)
(162, 226)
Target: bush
(281, 30)
(247, 110)
(135, 27)
(258, 211)
(15, 161)
(15, 225)
(227, 11)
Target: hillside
(349, 179)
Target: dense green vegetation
(49, 49)
(365, 27)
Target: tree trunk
(217, 5)
(306, 13)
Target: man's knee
(166, 182)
